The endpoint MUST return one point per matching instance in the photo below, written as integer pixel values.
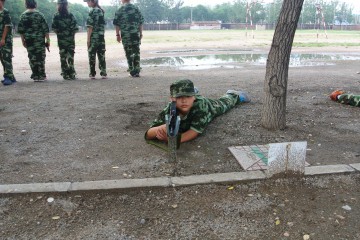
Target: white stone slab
(255, 157)
(328, 169)
(35, 187)
(356, 166)
(288, 157)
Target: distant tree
(201, 13)
(80, 12)
(152, 10)
(275, 85)
(16, 7)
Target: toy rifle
(172, 129)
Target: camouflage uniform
(97, 41)
(203, 111)
(65, 27)
(129, 18)
(33, 27)
(7, 49)
(350, 99)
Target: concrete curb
(166, 181)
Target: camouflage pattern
(203, 111)
(33, 27)
(65, 27)
(184, 87)
(6, 50)
(129, 18)
(350, 99)
(97, 41)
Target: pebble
(23, 131)
(50, 199)
(142, 221)
(347, 208)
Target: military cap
(183, 87)
(62, 1)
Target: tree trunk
(277, 66)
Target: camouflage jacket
(350, 99)
(129, 18)
(5, 20)
(65, 27)
(201, 114)
(33, 25)
(96, 21)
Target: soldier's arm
(3, 37)
(117, 31)
(89, 32)
(23, 40)
(158, 132)
(140, 31)
(189, 135)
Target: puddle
(200, 62)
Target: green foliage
(173, 11)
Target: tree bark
(277, 66)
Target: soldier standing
(34, 29)
(6, 45)
(95, 38)
(65, 26)
(129, 26)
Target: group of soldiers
(34, 32)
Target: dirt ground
(93, 130)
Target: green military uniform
(7, 49)
(97, 41)
(34, 27)
(350, 99)
(129, 18)
(203, 111)
(65, 27)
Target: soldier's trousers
(67, 61)
(6, 60)
(36, 55)
(224, 104)
(97, 47)
(350, 99)
(132, 53)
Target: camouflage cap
(183, 87)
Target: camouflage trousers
(223, 104)
(67, 62)
(36, 55)
(350, 99)
(132, 53)
(97, 47)
(6, 61)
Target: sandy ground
(93, 130)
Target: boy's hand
(2, 43)
(161, 133)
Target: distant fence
(186, 26)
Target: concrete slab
(121, 184)
(286, 157)
(356, 166)
(253, 157)
(328, 169)
(35, 187)
(217, 178)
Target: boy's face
(184, 103)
